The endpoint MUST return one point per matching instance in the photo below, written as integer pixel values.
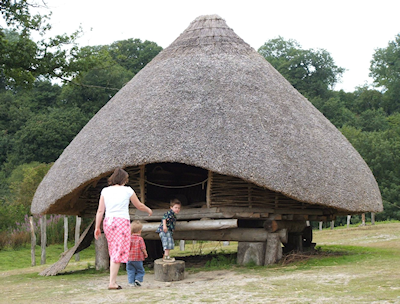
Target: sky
(350, 30)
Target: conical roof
(211, 101)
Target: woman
(114, 201)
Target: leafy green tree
(23, 60)
(385, 70)
(24, 180)
(104, 71)
(381, 151)
(312, 72)
(44, 136)
(133, 54)
(335, 110)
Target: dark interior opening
(165, 181)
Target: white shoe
(168, 259)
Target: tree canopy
(312, 72)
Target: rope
(177, 187)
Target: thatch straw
(211, 101)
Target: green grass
(353, 265)
(16, 259)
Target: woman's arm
(99, 217)
(142, 207)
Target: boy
(137, 254)
(167, 227)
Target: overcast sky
(350, 30)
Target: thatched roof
(211, 101)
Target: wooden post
(332, 224)
(348, 221)
(273, 250)
(169, 271)
(77, 234)
(320, 225)
(182, 245)
(372, 218)
(102, 260)
(43, 238)
(208, 190)
(142, 184)
(65, 233)
(33, 242)
(363, 219)
(251, 252)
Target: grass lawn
(355, 265)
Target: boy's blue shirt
(170, 217)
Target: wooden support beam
(208, 190)
(233, 234)
(142, 184)
(195, 225)
(233, 212)
(291, 226)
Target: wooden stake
(43, 239)
(77, 234)
(33, 242)
(65, 233)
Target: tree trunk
(169, 271)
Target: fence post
(43, 238)
(65, 233)
(33, 242)
(77, 234)
(348, 221)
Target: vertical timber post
(372, 218)
(33, 242)
(65, 233)
(208, 191)
(142, 185)
(348, 221)
(43, 239)
(77, 235)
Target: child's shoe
(137, 283)
(132, 285)
(168, 259)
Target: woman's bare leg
(114, 267)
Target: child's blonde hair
(136, 227)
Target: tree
(312, 72)
(23, 60)
(44, 136)
(385, 70)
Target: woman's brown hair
(119, 177)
